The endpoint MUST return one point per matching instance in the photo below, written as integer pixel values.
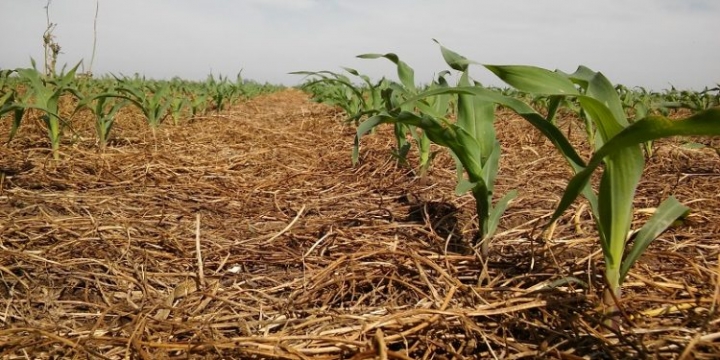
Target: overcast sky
(650, 43)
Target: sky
(655, 44)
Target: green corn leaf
(498, 210)
(618, 184)
(704, 123)
(490, 166)
(463, 184)
(364, 78)
(17, 118)
(664, 216)
(528, 113)
(619, 181)
(553, 106)
(484, 112)
(352, 71)
(466, 108)
(405, 73)
(455, 60)
(426, 156)
(601, 89)
(436, 106)
(464, 145)
(582, 76)
(7, 104)
(363, 129)
(403, 146)
(534, 80)
(311, 73)
(641, 110)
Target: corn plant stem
(53, 124)
(612, 294)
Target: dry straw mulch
(248, 234)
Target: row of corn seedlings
(617, 140)
(27, 88)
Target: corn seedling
(471, 139)
(104, 107)
(8, 103)
(177, 105)
(395, 94)
(618, 149)
(199, 100)
(153, 105)
(337, 89)
(221, 91)
(44, 95)
(476, 116)
(371, 98)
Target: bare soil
(249, 234)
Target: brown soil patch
(248, 234)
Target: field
(562, 217)
(250, 234)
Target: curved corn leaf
(553, 106)
(461, 143)
(582, 75)
(550, 131)
(534, 80)
(477, 115)
(7, 104)
(664, 216)
(405, 73)
(363, 129)
(619, 181)
(704, 123)
(455, 60)
(498, 210)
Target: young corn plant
(104, 107)
(373, 99)
(148, 98)
(476, 116)
(199, 100)
(439, 107)
(618, 149)
(471, 139)
(8, 103)
(372, 96)
(176, 99)
(44, 95)
(395, 94)
(177, 105)
(221, 91)
(337, 89)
